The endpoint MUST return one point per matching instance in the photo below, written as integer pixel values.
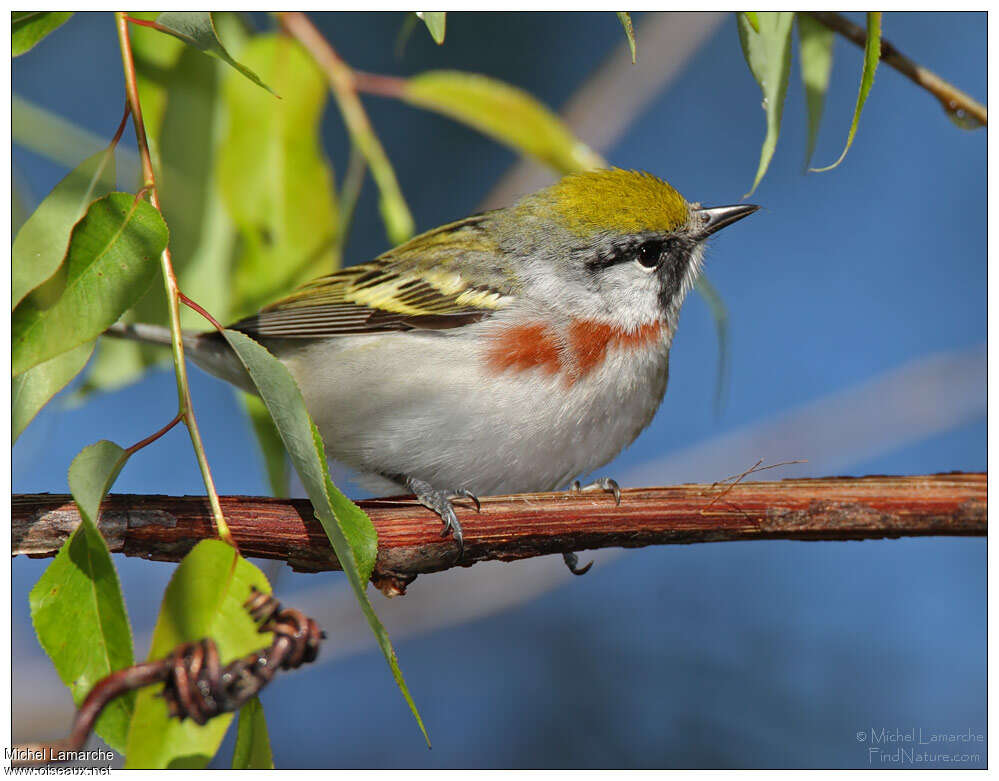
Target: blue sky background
(761, 654)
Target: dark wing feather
(442, 279)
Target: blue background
(762, 654)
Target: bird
(511, 351)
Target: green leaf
(184, 87)
(77, 607)
(253, 746)
(816, 65)
(754, 20)
(276, 183)
(27, 28)
(349, 529)
(40, 245)
(435, 22)
(32, 390)
(113, 256)
(198, 29)
(507, 114)
(92, 474)
(629, 31)
(768, 53)
(204, 598)
(269, 440)
(872, 55)
(201, 234)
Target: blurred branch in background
(526, 525)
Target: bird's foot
(572, 562)
(601, 484)
(439, 500)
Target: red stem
(200, 310)
(153, 437)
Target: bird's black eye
(649, 254)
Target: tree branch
(515, 527)
(954, 102)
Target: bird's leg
(601, 484)
(439, 501)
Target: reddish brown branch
(514, 527)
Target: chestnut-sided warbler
(507, 352)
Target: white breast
(425, 405)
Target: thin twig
(526, 525)
(953, 100)
(186, 407)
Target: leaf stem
(186, 408)
(201, 311)
(153, 437)
(954, 102)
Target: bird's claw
(439, 501)
(601, 484)
(572, 562)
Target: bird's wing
(442, 279)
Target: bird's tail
(209, 350)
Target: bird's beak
(717, 217)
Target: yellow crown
(616, 200)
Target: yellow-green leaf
(113, 255)
(275, 180)
(349, 529)
(629, 31)
(768, 54)
(32, 390)
(754, 20)
(253, 745)
(41, 244)
(27, 28)
(204, 599)
(816, 53)
(435, 22)
(181, 89)
(507, 114)
(872, 55)
(76, 606)
(197, 28)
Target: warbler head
(620, 246)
